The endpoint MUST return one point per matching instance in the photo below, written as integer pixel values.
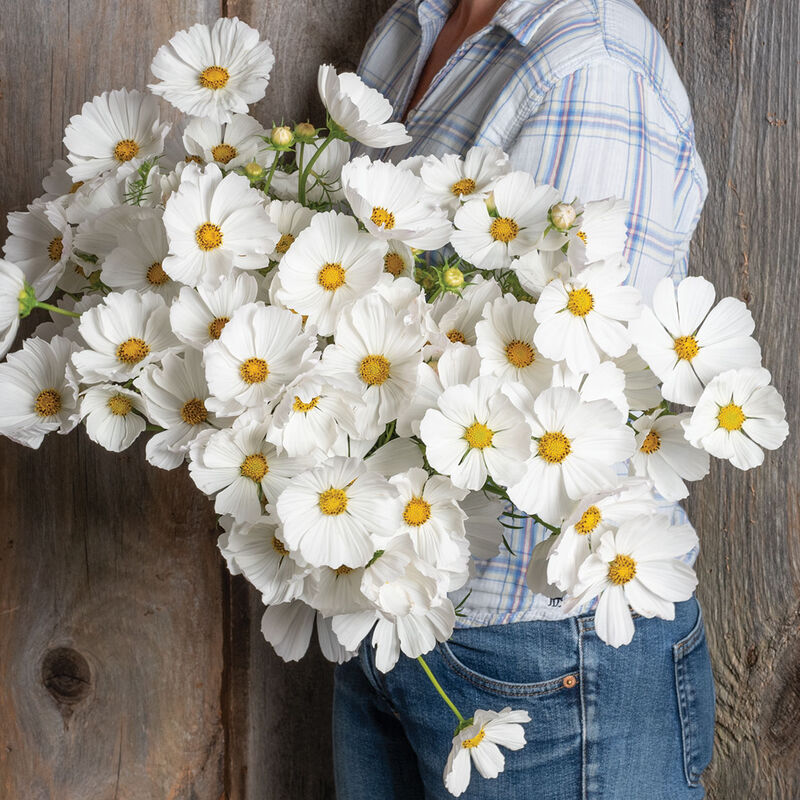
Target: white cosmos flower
(641, 384)
(483, 527)
(290, 219)
(137, 262)
(362, 112)
(738, 414)
(399, 259)
(214, 224)
(505, 343)
(452, 179)
(599, 233)
(38, 393)
(478, 743)
(174, 395)
(112, 129)
(536, 269)
(100, 232)
(260, 351)
(330, 265)
(382, 353)
(110, 414)
(230, 145)
(63, 325)
(336, 591)
(40, 244)
(456, 316)
(338, 513)
(12, 285)
(663, 454)
(575, 446)
(636, 566)
(324, 181)
(213, 72)
(521, 207)
(686, 342)
(391, 203)
(198, 315)
(604, 382)
(58, 183)
(239, 465)
(123, 334)
(581, 318)
(475, 433)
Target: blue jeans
(606, 724)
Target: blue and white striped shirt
(583, 95)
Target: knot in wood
(66, 675)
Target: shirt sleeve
(603, 130)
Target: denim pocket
(694, 684)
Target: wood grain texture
(739, 62)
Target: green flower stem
(306, 171)
(56, 309)
(440, 690)
(271, 173)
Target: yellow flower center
(580, 302)
(214, 77)
(417, 512)
(216, 325)
(125, 150)
(731, 417)
(120, 405)
(554, 447)
(621, 570)
(55, 249)
(393, 264)
(223, 153)
(156, 274)
(343, 570)
(302, 407)
(503, 229)
(686, 347)
(284, 243)
(468, 744)
(254, 467)
(333, 502)
(589, 520)
(75, 186)
(208, 236)
(520, 354)
(462, 187)
(279, 547)
(48, 403)
(455, 335)
(582, 236)
(382, 218)
(132, 351)
(331, 277)
(193, 412)
(374, 370)
(194, 160)
(479, 436)
(254, 370)
(651, 443)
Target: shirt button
(570, 681)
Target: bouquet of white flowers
(365, 363)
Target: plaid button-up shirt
(583, 95)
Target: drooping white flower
(478, 742)
(290, 219)
(475, 433)
(686, 342)
(362, 112)
(604, 382)
(391, 204)
(259, 352)
(399, 259)
(455, 317)
(63, 325)
(663, 454)
(213, 72)
(112, 129)
(641, 384)
(738, 414)
(581, 318)
(338, 513)
(110, 414)
(575, 446)
(229, 145)
(214, 224)
(38, 393)
(536, 269)
(452, 179)
(490, 241)
(175, 394)
(483, 527)
(330, 266)
(599, 233)
(636, 566)
(12, 284)
(336, 591)
(198, 315)
(58, 183)
(123, 334)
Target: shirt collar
(520, 18)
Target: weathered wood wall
(132, 666)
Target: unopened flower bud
(453, 278)
(563, 215)
(254, 170)
(282, 136)
(491, 207)
(305, 130)
(27, 300)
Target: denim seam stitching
(584, 787)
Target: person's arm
(602, 131)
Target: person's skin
(468, 17)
